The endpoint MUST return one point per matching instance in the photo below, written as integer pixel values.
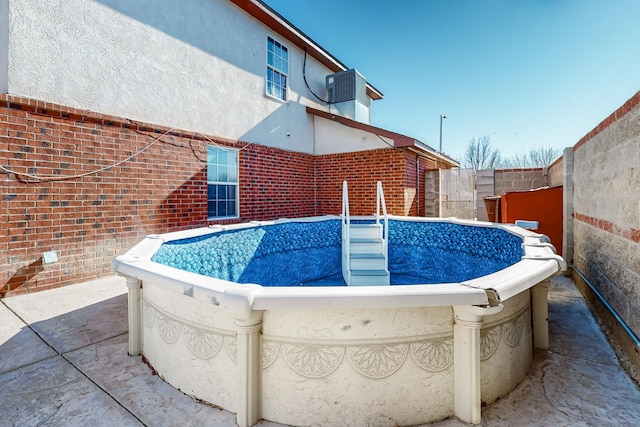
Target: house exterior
(122, 119)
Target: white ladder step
(365, 246)
(365, 240)
(365, 230)
(370, 278)
(368, 261)
(367, 256)
(369, 273)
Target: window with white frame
(222, 183)
(277, 69)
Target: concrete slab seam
(63, 356)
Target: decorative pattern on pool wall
(403, 357)
(433, 353)
(312, 358)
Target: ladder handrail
(346, 223)
(384, 231)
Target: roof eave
(272, 19)
(422, 147)
(399, 140)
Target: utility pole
(442, 116)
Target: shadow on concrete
(21, 276)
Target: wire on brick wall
(222, 147)
(32, 178)
(51, 178)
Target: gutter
(422, 149)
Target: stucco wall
(333, 137)
(606, 202)
(198, 65)
(4, 44)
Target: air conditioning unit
(348, 94)
(346, 86)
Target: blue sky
(525, 73)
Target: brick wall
(396, 168)
(110, 181)
(415, 169)
(275, 184)
(90, 219)
(362, 170)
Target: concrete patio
(64, 362)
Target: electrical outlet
(49, 257)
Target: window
(277, 69)
(222, 182)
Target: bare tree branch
(481, 155)
(536, 158)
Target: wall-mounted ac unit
(348, 93)
(347, 85)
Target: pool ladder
(365, 254)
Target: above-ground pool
(256, 318)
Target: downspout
(315, 169)
(417, 185)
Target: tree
(481, 155)
(540, 157)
